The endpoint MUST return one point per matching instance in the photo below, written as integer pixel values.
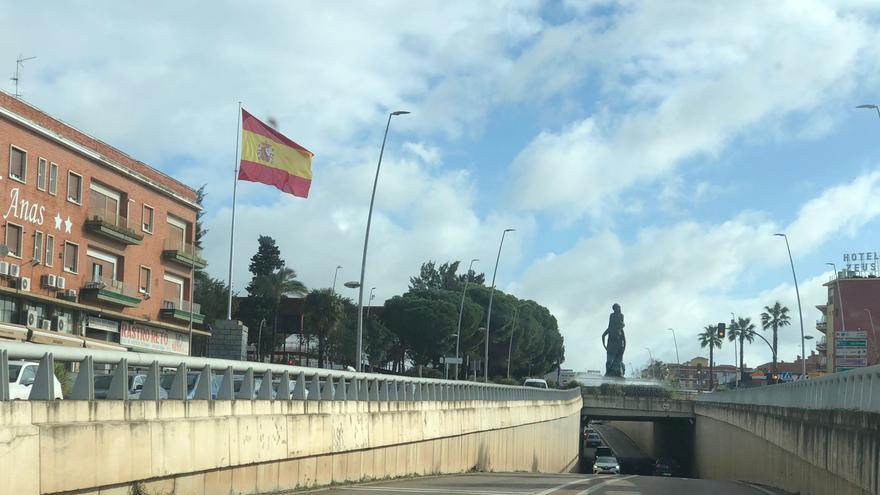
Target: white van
(21, 378)
(535, 383)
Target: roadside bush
(64, 378)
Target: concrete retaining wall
(799, 450)
(219, 447)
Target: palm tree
(710, 338)
(274, 287)
(775, 317)
(743, 330)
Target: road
(549, 484)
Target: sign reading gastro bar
(152, 338)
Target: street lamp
(871, 107)
(677, 359)
(839, 295)
(798, 294)
(873, 330)
(460, 311)
(653, 375)
(370, 302)
(489, 315)
(360, 332)
(334, 277)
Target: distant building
(694, 374)
(851, 337)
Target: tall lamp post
(653, 374)
(360, 332)
(460, 311)
(334, 277)
(871, 107)
(370, 301)
(800, 312)
(873, 330)
(677, 359)
(489, 315)
(839, 295)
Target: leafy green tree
(272, 288)
(743, 330)
(200, 231)
(213, 296)
(323, 309)
(709, 338)
(775, 317)
(443, 277)
(267, 259)
(657, 370)
(424, 321)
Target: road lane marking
(611, 481)
(434, 490)
(759, 488)
(559, 487)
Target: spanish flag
(269, 157)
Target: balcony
(109, 291)
(822, 345)
(181, 311)
(822, 325)
(108, 224)
(184, 253)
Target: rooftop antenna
(19, 64)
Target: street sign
(451, 360)
(851, 362)
(785, 377)
(851, 351)
(851, 343)
(859, 334)
(839, 369)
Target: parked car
(192, 381)
(21, 379)
(607, 465)
(593, 440)
(136, 383)
(535, 382)
(665, 466)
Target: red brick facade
(104, 221)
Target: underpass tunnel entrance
(638, 444)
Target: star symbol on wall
(57, 222)
(67, 225)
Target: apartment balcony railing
(111, 225)
(822, 325)
(182, 311)
(184, 253)
(108, 290)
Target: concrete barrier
(220, 447)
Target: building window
(103, 266)
(50, 250)
(53, 179)
(104, 204)
(71, 257)
(17, 163)
(7, 309)
(176, 234)
(41, 174)
(74, 188)
(174, 290)
(144, 280)
(147, 220)
(13, 239)
(38, 247)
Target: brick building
(100, 245)
(852, 338)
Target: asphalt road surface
(549, 484)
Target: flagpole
(232, 226)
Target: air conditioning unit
(60, 323)
(46, 324)
(14, 270)
(33, 318)
(24, 283)
(4, 268)
(59, 282)
(47, 280)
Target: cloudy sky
(645, 152)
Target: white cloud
(693, 76)
(685, 276)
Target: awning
(54, 338)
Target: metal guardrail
(849, 390)
(297, 383)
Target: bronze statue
(616, 343)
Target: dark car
(604, 451)
(593, 440)
(666, 467)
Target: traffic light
(722, 330)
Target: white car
(607, 465)
(535, 383)
(21, 379)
